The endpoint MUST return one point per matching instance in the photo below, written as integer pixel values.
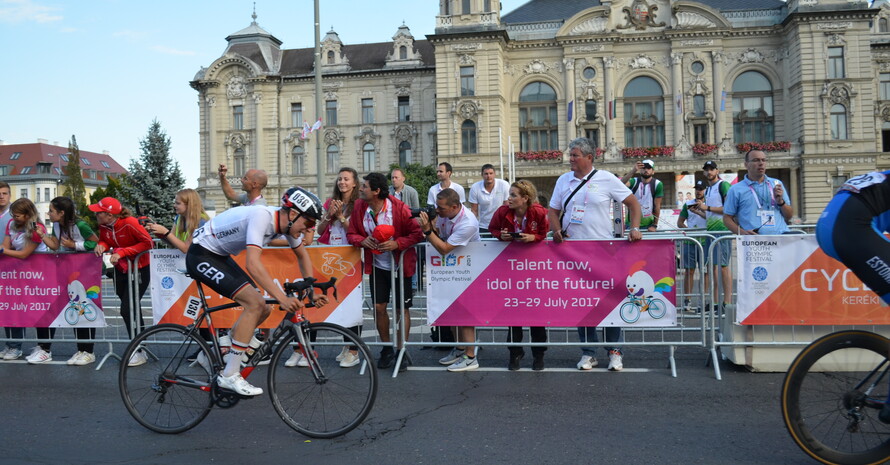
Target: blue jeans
(15, 333)
(590, 334)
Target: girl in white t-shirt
(22, 239)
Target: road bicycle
(630, 311)
(170, 394)
(832, 397)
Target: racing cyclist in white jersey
(209, 261)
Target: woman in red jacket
(523, 219)
(121, 235)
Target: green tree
(420, 177)
(155, 177)
(74, 187)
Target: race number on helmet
(302, 200)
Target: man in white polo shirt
(580, 208)
(455, 226)
(486, 196)
(443, 173)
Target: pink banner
(51, 290)
(576, 283)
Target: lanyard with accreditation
(566, 203)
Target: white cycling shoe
(238, 385)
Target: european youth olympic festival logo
(759, 273)
(167, 282)
(450, 260)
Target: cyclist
(851, 230)
(209, 261)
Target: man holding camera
(692, 215)
(455, 226)
(382, 225)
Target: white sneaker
(39, 356)
(464, 363)
(615, 361)
(12, 354)
(202, 360)
(3, 352)
(452, 356)
(350, 359)
(297, 360)
(82, 358)
(138, 358)
(342, 354)
(587, 362)
(239, 385)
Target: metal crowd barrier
(690, 331)
(113, 333)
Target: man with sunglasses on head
(209, 261)
(758, 204)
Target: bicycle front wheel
(161, 389)
(332, 401)
(832, 396)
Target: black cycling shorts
(218, 272)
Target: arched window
(838, 122)
(882, 25)
(752, 108)
(239, 163)
(404, 153)
(369, 157)
(299, 160)
(643, 113)
(333, 158)
(538, 124)
(468, 137)
(403, 53)
(330, 57)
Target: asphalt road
(54, 414)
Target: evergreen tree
(74, 187)
(154, 178)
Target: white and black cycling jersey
(233, 230)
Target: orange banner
(171, 290)
(788, 280)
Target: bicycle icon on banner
(630, 311)
(75, 309)
(334, 263)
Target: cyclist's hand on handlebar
(290, 304)
(321, 301)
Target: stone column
(608, 64)
(571, 129)
(677, 84)
(717, 59)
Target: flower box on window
(766, 147)
(704, 149)
(648, 152)
(543, 155)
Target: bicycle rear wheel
(333, 403)
(832, 396)
(167, 393)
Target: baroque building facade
(680, 82)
